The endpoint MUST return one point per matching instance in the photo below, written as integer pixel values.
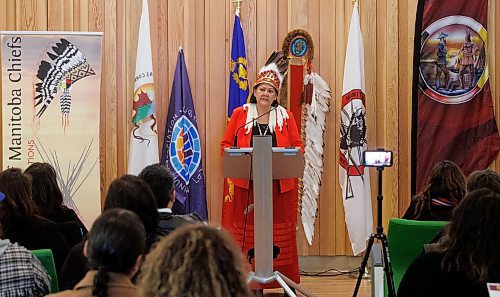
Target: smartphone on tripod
(377, 158)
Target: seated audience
(484, 179)
(21, 221)
(114, 247)
(161, 182)
(127, 192)
(195, 260)
(21, 274)
(49, 201)
(444, 189)
(477, 180)
(466, 257)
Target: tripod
(383, 239)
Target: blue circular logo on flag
(185, 148)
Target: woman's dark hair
(132, 193)
(45, 190)
(484, 179)
(445, 179)
(161, 182)
(114, 243)
(195, 260)
(17, 203)
(471, 240)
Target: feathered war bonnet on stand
(272, 73)
(308, 99)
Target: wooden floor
(328, 286)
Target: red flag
(453, 116)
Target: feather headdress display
(67, 65)
(309, 95)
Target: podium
(262, 164)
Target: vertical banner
(453, 116)
(50, 107)
(238, 95)
(182, 146)
(354, 178)
(143, 138)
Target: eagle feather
(315, 121)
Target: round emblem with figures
(185, 148)
(453, 65)
(298, 47)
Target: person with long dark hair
(444, 189)
(114, 248)
(195, 260)
(49, 200)
(21, 221)
(128, 192)
(466, 256)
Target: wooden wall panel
(55, 15)
(204, 29)
(326, 223)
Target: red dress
(284, 201)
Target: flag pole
(355, 3)
(237, 4)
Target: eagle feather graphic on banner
(309, 96)
(67, 66)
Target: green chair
(406, 239)
(47, 259)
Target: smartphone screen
(378, 158)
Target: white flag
(143, 138)
(353, 176)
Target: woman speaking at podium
(264, 116)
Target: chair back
(47, 259)
(406, 239)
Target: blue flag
(238, 80)
(182, 146)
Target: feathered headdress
(274, 71)
(66, 66)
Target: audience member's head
(161, 182)
(195, 260)
(17, 203)
(484, 179)
(446, 179)
(444, 189)
(132, 193)
(115, 243)
(45, 190)
(471, 240)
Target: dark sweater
(169, 222)
(38, 233)
(430, 212)
(425, 278)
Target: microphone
(237, 130)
